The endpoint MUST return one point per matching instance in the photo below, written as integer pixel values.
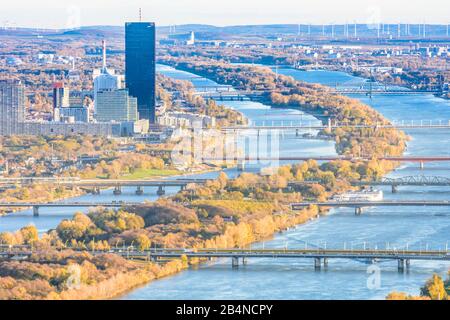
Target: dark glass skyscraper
(140, 72)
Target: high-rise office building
(12, 107)
(116, 105)
(60, 95)
(140, 73)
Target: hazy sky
(62, 14)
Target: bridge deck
(443, 255)
(103, 183)
(359, 204)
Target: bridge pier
(407, 264)
(325, 263)
(401, 265)
(244, 261)
(422, 165)
(96, 190)
(139, 191)
(394, 188)
(235, 262)
(117, 191)
(241, 165)
(36, 211)
(297, 132)
(317, 263)
(358, 211)
(161, 191)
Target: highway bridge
(243, 161)
(37, 205)
(293, 125)
(228, 93)
(360, 204)
(252, 95)
(369, 92)
(418, 181)
(97, 184)
(320, 257)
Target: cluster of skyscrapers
(118, 108)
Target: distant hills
(229, 32)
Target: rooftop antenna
(104, 55)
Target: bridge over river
(319, 256)
(295, 206)
(394, 183)
(37, 205)
(97, 184)
(359, 204)
(297, 125)
(228, 93)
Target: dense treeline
(434, 289)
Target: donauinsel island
(238, 150)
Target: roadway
(420, 159)
(102, 183)
(359, 204)
(338, 126)
(320, 256)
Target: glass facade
(12, 107)
(140, 66)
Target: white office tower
(105, 79)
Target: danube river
(415, 227)
(378, 227)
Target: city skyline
(86, 13)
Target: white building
(105, 79)
(186, 120)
